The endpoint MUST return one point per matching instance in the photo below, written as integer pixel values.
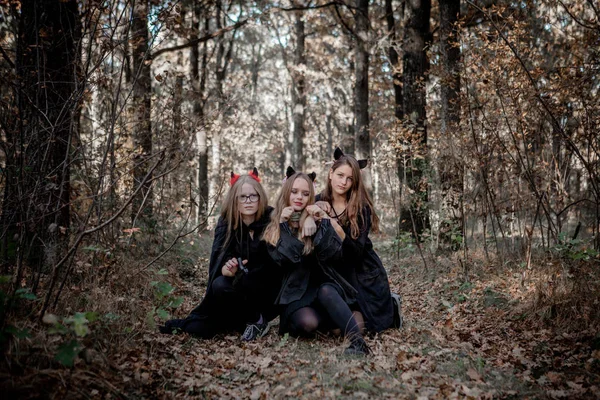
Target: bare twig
(180, 235)
(6, 57)
(594, 176)
(206, 38)
(75, 245)
(574, 18)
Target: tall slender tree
(36, 205)
(142, 129)
(414, 77)
(394, 60)
(361, 88)
(224, 53)
(199, 73)
(449, 169)
(295, 149)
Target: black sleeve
(327, 243)
(263, 271)
(288, 249)
(354, 248)
(217, 250)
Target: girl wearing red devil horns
(348, 204)
(242, 282)
(313, 294)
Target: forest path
(460, 340)
(467, 339)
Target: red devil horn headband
(253, 174)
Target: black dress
(360, 265)
(253, 292)
(305, 274)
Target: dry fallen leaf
(473, 374)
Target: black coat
(263, 277)
(297, 267)
(361, 266)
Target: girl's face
(341, 179)
(248, 200)
(300, 194)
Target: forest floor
(463, 338)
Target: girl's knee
(221, 285)
(304, 322)
(327, 293)
(306, 327)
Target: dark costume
(304, 275)
(231, 302)
(362, 268)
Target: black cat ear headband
(290, 171)
(339, 153)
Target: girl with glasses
(243, 282)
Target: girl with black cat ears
(243, 281)
(352, 215)
(313, 294)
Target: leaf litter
(460, 341)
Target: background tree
(295, 144)
(142, 126)
(39, 133)
(361, 93)
(413, 164)
(449, 164)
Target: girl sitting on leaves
(237, 295)
(349, 206)
(313, 294)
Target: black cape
(263, 278)
(360, 265)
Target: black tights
(306, 320)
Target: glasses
(252, 197)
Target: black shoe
(358, 347)
(256, 330)
(171, 327)
(398, 319)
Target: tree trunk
(416, 34)
(347, 139)
(394, 64)
(295, 140)
(450, 170)
(198, 77)
(223, 57)
(361, 88)
(142, 130)
(450, 57)
(47, 71)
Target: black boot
(358, 347)
(172, 327)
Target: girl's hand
(325, 206)
(338, 229)
(286, 213)
(231, 267)
(316, 212)
(310, 227)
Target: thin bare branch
(206, 38)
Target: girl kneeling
(314, 295)
(348, 204)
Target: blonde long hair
(230, 210)
(273, 231)
(357, 197)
